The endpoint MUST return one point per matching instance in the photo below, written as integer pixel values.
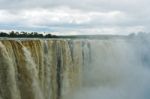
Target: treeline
(23, 34)
(14, 34)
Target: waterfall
(8, 85)
(39, 69)
(74, 69)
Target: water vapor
(119, 70)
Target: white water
(32, 72)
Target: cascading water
(39, 69)
(74, 69)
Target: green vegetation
(13, 34)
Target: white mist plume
(117, 72)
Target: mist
(119, 70)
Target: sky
(67, 17)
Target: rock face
(56, 68)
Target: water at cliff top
(75, 69)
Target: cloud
(96, 5)
(51, 15)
